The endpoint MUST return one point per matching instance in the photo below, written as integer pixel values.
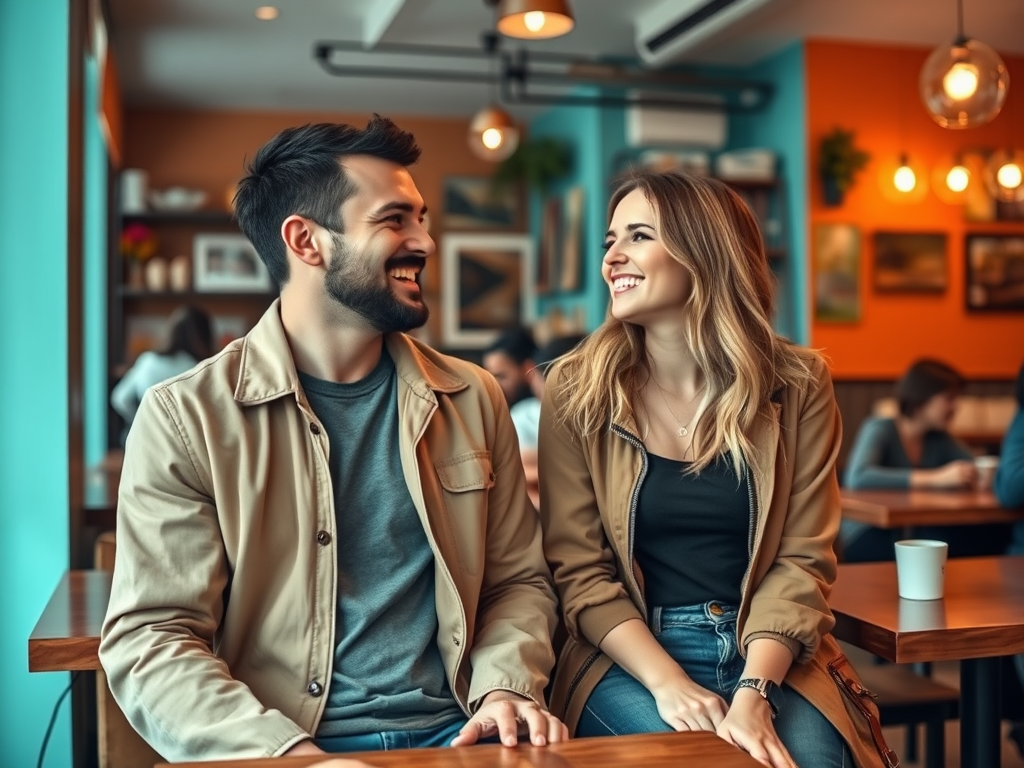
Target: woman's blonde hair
(707, 228)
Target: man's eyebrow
(630, 228)
(396, 205)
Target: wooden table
(902, 509)
(980, 618)
(67, 635)
(657, 750)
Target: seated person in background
(510, 359)
(324, 542)
(1009, 481)
(526, 413)
(914, 450)
(187, 340)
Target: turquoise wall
(33, 343)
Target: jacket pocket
(862, 699)
(465, 482)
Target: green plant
(536, 163)
(840, 160)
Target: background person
(509, 359)
(688, 494)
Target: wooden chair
(905, 698)
(120, 746)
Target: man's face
(376, 263)
(510, 375)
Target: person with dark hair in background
(188, 338)
(324, 542)
(509, 359)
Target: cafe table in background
(980, 618)
(904, 509)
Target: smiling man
(324, 540)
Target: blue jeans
(438, 736)
(702, 638)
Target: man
(324, 540)
(510, 359)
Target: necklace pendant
(683, 432)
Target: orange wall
(207, 150)
(873, 90)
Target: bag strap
(856, 693)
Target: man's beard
(358, 286)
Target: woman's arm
(865, 469)
(1009, 482)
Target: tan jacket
(589, 487)
(219, 637)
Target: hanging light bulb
(904, 179)
(535, 19)
(957, 178)
(1004, 175)
(963, 85)
(493, 135)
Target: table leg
(980, 694)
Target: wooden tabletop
(981, 615)
(67, 635)
(898, 509)
(658, 750)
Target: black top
(692, 532)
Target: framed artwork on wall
(909, 262)
(473, 202)
(995, 272)
(228, 263)
(836, 261)
(486, 284)
(572, 240)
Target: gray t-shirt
(388, 673)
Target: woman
(188, 339)
(689, 499)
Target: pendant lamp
(493, 135)
(963, 85)
(535, 19)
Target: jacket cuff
(800, 653)
(596, 621)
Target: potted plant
(536, 163)
(839, 162)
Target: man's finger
(537, 723)
(470, 733)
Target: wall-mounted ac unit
(653, 126)
(667, 30)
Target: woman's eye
(607, 244)
(639, 236)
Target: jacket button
(323, 538)
(456, 641)
(315, 689)
(314, 428)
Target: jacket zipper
(633, 501)
(751, 529)
(578, 677)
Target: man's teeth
(403, 273)
(622, 283)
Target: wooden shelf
(188, 218)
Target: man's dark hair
(188, 330)
(299, 171)
(924, 380)
(554, 349)
(516, 341)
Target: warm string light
(958, 178)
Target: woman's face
(647, 285)
(937, 412)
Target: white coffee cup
(986, 468)
(921, 568)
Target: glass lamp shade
(493, 135)
(902, 179)
(535, 19)
(964, 85)
(1004, 175)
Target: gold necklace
(684, 429)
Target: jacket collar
(267, 369)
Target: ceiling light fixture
(963, 85)
(493, 134)
(266, 13)
(535, 19)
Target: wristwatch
(769, 691)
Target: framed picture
(910, 262)
(995, 272)
(473, 202)
(549, 263)
(836, 273)
(486, 284)
(572, 240)
(228, 263)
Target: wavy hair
(706, 227)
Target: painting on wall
(836, 273)
(473, 202)
(572, 241)
(995, 272)
(910, 262)
(228, 263)
(549, 261)
(487, 284)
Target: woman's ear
(305, 240)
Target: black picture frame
(910, 262)
(994, 279)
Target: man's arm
(167, 602)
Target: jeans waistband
(707, 614)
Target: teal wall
(33, 342)
(94, 267)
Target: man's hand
(508, 715)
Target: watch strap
(767, 688)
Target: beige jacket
(589, 488)
(219, 637)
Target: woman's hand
(686, 706)
(956, 474)
(748, 725)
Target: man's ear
(308, 242)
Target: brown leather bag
(842, 672)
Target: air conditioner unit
(669, 29)
(655, 126)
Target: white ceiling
(215, 54)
